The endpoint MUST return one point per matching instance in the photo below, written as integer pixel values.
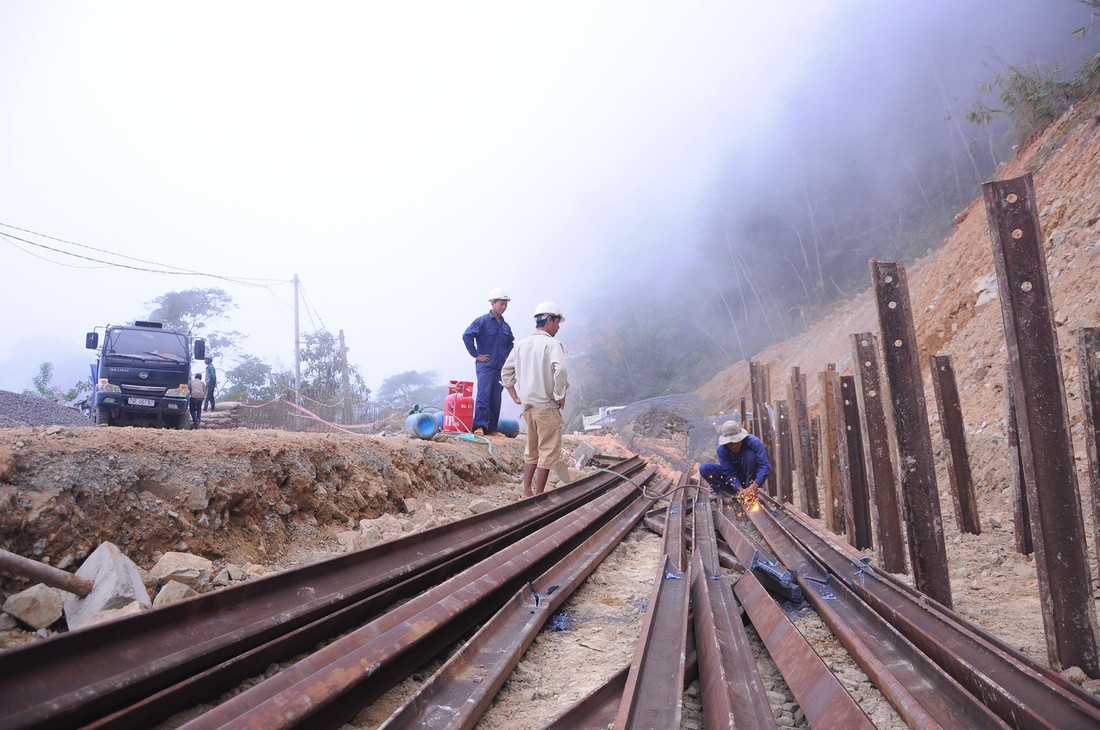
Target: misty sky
(401, 158)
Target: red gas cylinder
(458, 408)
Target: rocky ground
(273, 500)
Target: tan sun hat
(732, 437)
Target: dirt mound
(238, 495)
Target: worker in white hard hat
(535, 378)
(489, 340)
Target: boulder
(191, 570)
(37, 607)
(116, 582)
(173, 591)
(111, 614)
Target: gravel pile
(29, 410)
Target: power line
(164, 268)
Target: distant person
(489, 341)
(198, 394)
(537, 367)
(742, 463)
(211, 383)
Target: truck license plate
(141, 402)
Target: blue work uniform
(733, 472)
(487, 336)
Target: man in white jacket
(536, 368)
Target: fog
(403, 160)
(868, 154)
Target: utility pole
(345, 379)
(297, 349)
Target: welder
(742, 463)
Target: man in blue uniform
(489, 341)
(742, 463)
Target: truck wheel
(102, 417)
(183, 421)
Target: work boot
(479, 431)
(498, 434)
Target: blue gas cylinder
(421, 425)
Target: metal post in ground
(918, 472)
(881, 483)
(954, 438)
(857, 512)
(803, 440)
(1042, 417)
(1088, 360)
(830, 467)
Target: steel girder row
(934, 666)
(334, 683)
(138, 670)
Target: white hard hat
(549, 308)
(499, 293)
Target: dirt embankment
(239, 495)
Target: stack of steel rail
(934, 667)
(386, 611)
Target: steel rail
(1021, 691)
(653, 696)
(81, 676)
(458, 694)
(331, 685)
(921, 692)
(819, 693)
(596, 710)
(734, 695)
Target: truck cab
(142, 375)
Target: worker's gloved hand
(750, 491)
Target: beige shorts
(543, 436)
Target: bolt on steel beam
(1088, 360)
(857, 511)
(1046, 449)
(830, 465)
(918, 471)
(881, 483)
(954, 436)
(803, 438)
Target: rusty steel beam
(733, 693)
(881, 484)
(1088, 363)
(830, 453)
(849, 436)
(1024, 693)
(652, 696)
(803, 437)
(458, 694)
(954, 437)
(918, 471)
(1021, 516)
(102, 670)
(46, 574)
(674, 539)
(331, 685)
(819, 693)
(785, 443)
(596, 710)
(1046, 448)
(756, 388)
(921, 692)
